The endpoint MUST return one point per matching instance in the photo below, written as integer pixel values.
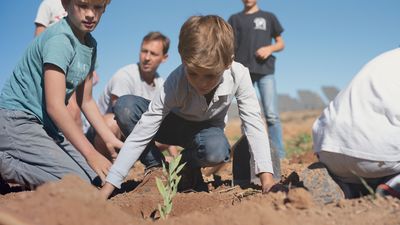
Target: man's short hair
(158, 36)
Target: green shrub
(299, 145)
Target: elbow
(51, 110)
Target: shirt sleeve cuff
(114, 178)
(262, 167)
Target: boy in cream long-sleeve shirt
(190, 109)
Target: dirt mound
(69, 201)
(72, 201)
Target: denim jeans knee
(209, 147)
(127, 110)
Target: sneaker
(191, 180)
(321, 185)
(386, 190)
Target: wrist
(106, 190)
(89, 153)
(266, 178)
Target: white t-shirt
(127, 81)
(363, 121)
(49, 12)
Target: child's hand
(112, 146)
(99, 164)
(106, 190)
(267, 181)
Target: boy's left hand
(99, 164)
(267, 181)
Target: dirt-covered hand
(267, 181)
(114, 145)
(99, 164)
(106, 190)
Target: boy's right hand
(99, 164)
(267, 181)
(106, 190)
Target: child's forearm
(94, 117)
(64, 121)
(54, 84)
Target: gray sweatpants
(30, 157)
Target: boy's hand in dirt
(106, 190)
(267, 181)
(113, 145)
(99, 164)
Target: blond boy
(39, 140)
(190, 109)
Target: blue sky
(327, 41)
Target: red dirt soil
(72, 201)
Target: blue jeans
(204, 145)
(269, 101)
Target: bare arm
(54, 89)
(92, 113)
(266, 51)
(75, 111)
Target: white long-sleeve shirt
(179, 97)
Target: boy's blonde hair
(206, 42)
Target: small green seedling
(372, 194)
(169, 189)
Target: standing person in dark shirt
(257, 36)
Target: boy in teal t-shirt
(36, 124)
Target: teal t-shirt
(57, 45)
